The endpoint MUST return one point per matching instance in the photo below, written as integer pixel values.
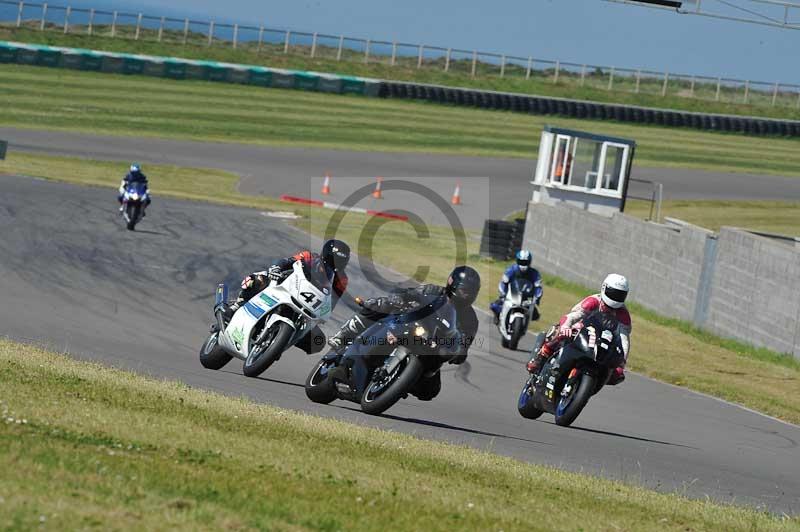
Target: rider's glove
(274, 273)
(247, 282)
(371, 303)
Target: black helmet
(464, 284)
(335, 254)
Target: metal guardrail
(472, 63)
(655, 200)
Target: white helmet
(614, 290)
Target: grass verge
(84, 446)
(594, 88)
(668, 350)
(128, 105)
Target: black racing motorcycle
(577, 371)
(393, 357)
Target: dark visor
(616, 295)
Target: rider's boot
(535, 364)
(617, 376)
(495, 307)
(347, 333)
(229, 310)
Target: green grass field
(37, 97)
(86, 447)
(542, 82)
(669, 350)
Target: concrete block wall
(736, 284)
(664, 264)
(755, 291)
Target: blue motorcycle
(134, 200)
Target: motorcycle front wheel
(525, 404)
(571, 405)
(133, 216)
(517, 332)
(320, 388)
(383, 390)
(263, 355)
(212, 356)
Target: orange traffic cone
(456, 199)
(377, 192)
(326, 186)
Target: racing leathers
(133, 177)
(588, 306)
(511, 273)
(254, 283)
(405, 300)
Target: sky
(579, 31)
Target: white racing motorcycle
(134, 198)
(520, 307)
(271, 322)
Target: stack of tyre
(501, 239)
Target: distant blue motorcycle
(134, 200)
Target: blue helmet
(524, 258)
(135, 168)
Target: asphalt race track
(73, 278)
(274, 171)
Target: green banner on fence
(3, 148)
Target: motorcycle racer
(610, 301)
(134, 175)
(520, 268)
(334, 257)
(461, 289)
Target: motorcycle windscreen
(317, 274)
(136, 187)
(522, 287)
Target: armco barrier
(525, 103)
(178, 68)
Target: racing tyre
(212, 356)
(569, 407)
(525, 403)
(263, 355)
(517, 331)
(383, 391)
(319, 388)
(133, 216)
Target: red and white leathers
(593, 304)
(582, 310)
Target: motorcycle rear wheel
(380, 396)
(262, 357)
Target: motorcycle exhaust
(220, 321)
(220, 297)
